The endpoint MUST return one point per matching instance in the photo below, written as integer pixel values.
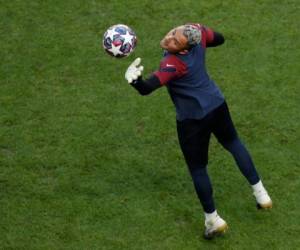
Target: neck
(183, 52)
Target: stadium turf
(87, 163)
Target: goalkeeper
(201, 110)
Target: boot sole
(218, 232)
(266, 206)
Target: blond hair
(192, 34)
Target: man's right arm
(213, 38)
(210, 38)
(145, 87)
(170, 68)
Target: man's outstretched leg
(227, 136)
(246, 166)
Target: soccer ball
(119, 40)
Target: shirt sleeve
(145, 87)
(171, 68)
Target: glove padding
(134, 70)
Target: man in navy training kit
(200, 110)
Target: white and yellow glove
(134, 70)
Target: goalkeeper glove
(134, 70)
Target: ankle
(211, 216)
(258, 188)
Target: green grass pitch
(87, 163)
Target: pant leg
(194, 138)
(223, 128)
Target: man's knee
(232, 144)
(195, 164)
